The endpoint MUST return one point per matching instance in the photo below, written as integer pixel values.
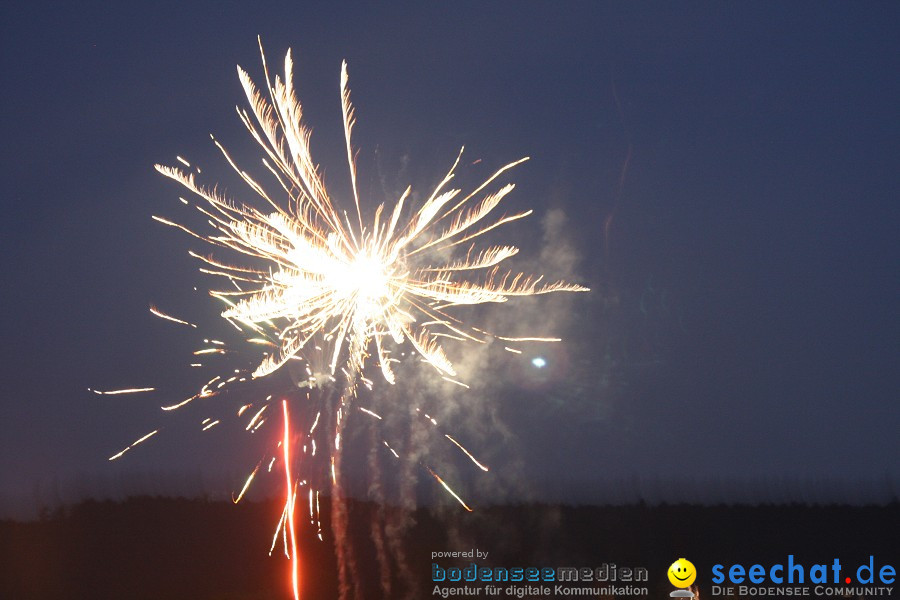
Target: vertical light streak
(289, 502)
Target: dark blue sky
(744, 319)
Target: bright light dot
(539, 362)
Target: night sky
(743, 325)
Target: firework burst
(355, 283)
(341, 289)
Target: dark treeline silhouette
(165, 548)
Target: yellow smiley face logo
(682, 573)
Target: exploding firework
(329, 274)
(328, 287)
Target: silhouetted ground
(176, 548)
